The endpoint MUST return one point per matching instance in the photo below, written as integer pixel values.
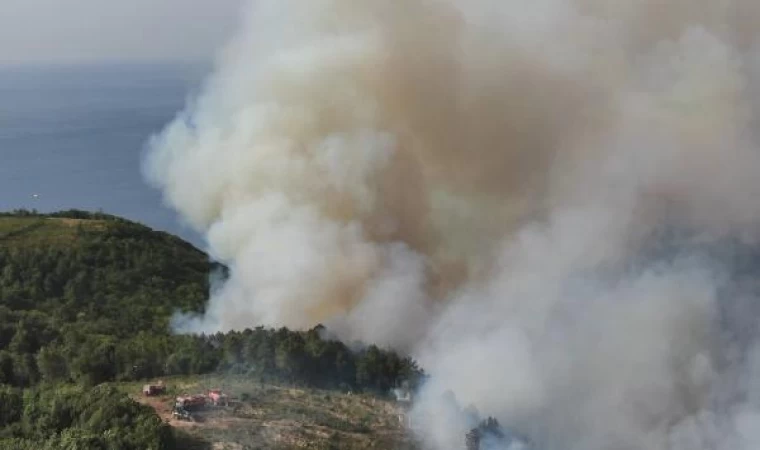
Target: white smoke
(486, 184)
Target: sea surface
(74, 136)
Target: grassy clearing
(267, 416)
(38, 231)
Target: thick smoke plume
(552, 204)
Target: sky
(69, 31)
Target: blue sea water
(73, 137)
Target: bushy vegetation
(87, 298)
(489, 434)
(74, 418)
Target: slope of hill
(74, 254)
(273, 416)
(86, 299)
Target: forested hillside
(87, 298)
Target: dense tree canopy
(78, 418)
(87, 298)
(78, 292)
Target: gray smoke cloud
(533, 198)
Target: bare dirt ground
(274, 417)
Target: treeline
(34, 349)
(98, 308)
(66, 214)
(75, 418)
(21, 213)
(306, 358)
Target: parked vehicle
(182, 414)
(190, 402)
(150, 390)
(218, 398)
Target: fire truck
(218, 398)
(150, 390)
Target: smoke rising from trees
(535, 199)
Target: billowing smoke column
(533, 198)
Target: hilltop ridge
(29, 227)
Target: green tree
(290, 357)
(52, 364)
(11, 405)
